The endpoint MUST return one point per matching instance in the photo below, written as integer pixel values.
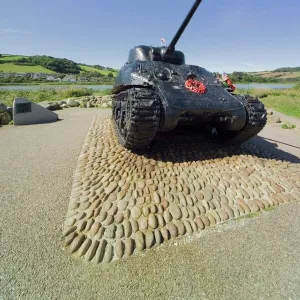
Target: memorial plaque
(23, 108)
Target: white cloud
(8, 30)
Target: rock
(158, 237)
(199, 223)
(50, 105)
(119, 217)
(89, 105)
(272, 119)
(110, 231)
(120, 231)
(153, 221)
(104, 105)
(129, 247)
(107, 99)
(72, 103)
(156, 198)
(100, 251)
(64, 106)
(149, 236)
(5, 118)
(119, 249)
(180, 227)
(143, 223)
(109, 253)
(134, 225)
(172, 229)
(175, 211)
(3, 108)
(136, 212)
(127, 228)
(139, 241)
(111, 187)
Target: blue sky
(236, 35)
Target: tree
(0, 55)
(110, 75)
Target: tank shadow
(272, 146)
(193, 147)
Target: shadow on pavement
(194, 148)
(272, 147)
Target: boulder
(64, 105)
(72, 103)
(104, 105)
(3, 108)
(106, 98)
(50, 105)
(5, 118)
(90, 105)
(272, 119)
(83, 99)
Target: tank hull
(180, 106)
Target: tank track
(256, 120)
(136, 115)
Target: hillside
(279, 75)
(104, 72)
(48, 64)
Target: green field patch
(11, 57)
(92, 69)
(286, 101)
(10, 67)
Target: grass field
(91, 69)
(286, 101)
(12, 57)
(280, 75)
(10, 67)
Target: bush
(74, 92)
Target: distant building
(21, 74)
(37, 75)
(6, 75)
(69, 78)
(82, 79)
(50, 78)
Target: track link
(136, 115)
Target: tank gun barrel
(185, 22)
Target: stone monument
(26, 112)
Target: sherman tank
(157, 92)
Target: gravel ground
(255, 258)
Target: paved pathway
(257, 258)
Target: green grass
(12, 57)
(286, 101)
(92, 69)
(248, 216)
(288, 126)
(10, 67)
(7, 96)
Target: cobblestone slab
(123, 203)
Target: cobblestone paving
(123, 202)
